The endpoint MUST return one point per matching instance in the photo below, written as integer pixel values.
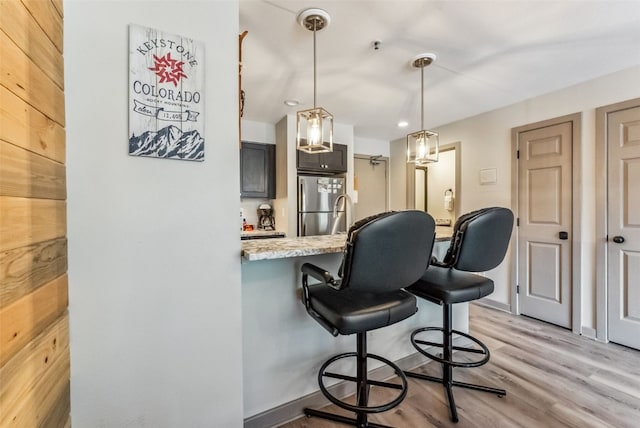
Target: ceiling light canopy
(423, 145)
(314, 127)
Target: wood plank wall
(34, 324)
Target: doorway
(371, 180)
(618, 223)
(547, 234)
(428, 188)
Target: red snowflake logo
(169, 69)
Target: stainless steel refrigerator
(316, 199)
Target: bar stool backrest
(480, 240)
(388, 251)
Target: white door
(371, 178)
(545, 223)
(623, 227)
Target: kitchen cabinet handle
(618, 239)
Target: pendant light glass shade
(422, 146)
(314, 130)
(314, 127)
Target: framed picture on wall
(166, 95)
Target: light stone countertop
(280, 248)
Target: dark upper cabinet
(332, 162)
(257, 170)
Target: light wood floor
(553, 378)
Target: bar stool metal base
(447, 361)
(363, 386)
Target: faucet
(337, 212)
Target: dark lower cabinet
(257, 170)
(333, 162)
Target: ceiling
(490, 54)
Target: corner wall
(154, 254)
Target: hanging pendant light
(314, 127)
(422, 146)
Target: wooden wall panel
(34, 391)
(24, 269)
(58, 5)
(20, 26)
(26, 221)
(30, 175)
(27, 317)
(48, 17)
(34, 332)
(24, 78)
(26, 127)
(60, 413)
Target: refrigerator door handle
(301, 196)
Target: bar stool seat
(447, 286)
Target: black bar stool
(383, 254)
(479, 243)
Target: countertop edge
(274, 255)
(282, 248)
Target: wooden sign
(166, 95)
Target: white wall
(486, 143)
(398, 174)
(258, 132)
(369, 146)
(154, 266)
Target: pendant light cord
(315, 23)
(422, 97)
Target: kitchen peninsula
(283, 347)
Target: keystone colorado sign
(166, 95)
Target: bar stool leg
(447, 369)
(363, 387)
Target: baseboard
(295, 409)
(588, 332)
(494, 304)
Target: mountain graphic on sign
(169, 142)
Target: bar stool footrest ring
(483, 351)
(366, 409)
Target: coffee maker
(265, 218)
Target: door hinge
(518, 222)
(517, 289)
(517, 154)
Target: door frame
(576, 203)
(602, 204)
(387, 182)
(411, 179)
